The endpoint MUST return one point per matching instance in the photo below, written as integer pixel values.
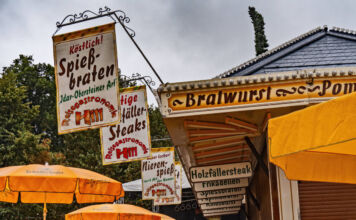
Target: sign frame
(234, 166)
(220, 214)
(238, 191)
(235, 203)
(294, 89)
(129, 90)
(77, 35)
(154, 150)
(220, 199)
(240, 183)
(181, 188)
(227, 209)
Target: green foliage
(28, 134)
(159, 133)
(261, 44)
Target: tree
(19, 141)
(261, 44)
(28, 134)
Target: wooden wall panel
(327, 201)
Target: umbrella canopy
(164, 217)
(317, 143)
(112, 211)
(56, 184)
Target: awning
(317, 143)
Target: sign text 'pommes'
(86, 74)
(130, 139)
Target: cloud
(184, 40)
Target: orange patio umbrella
(56, 184)
(113, 212)
(164, 217)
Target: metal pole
(139, 49)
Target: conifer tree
(261, 44)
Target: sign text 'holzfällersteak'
(218, 172)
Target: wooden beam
(257, 155)
(265, 121)
(236, 160)
(241, 124)
(254, 200)
(217, 145)
(208, 125)
(207, 138)
(226, 150)
(208, 132)
(219, 137)
(222, 157)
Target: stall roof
(318, 48)
(255, 79)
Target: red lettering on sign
(89, 116)
(126, 152)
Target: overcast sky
(184, 39)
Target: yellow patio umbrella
(164, 217)
(56, 184)
(317, 143)
(112, 212)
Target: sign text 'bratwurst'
(86, 79)
(261, 93)
(218, 172)
(130, 139)
(158, 174)
(220, 184)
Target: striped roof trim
(259, 78)
(285, 45)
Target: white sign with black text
(234, 203)
(220, 199)
(220, 184)
(220, 192)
